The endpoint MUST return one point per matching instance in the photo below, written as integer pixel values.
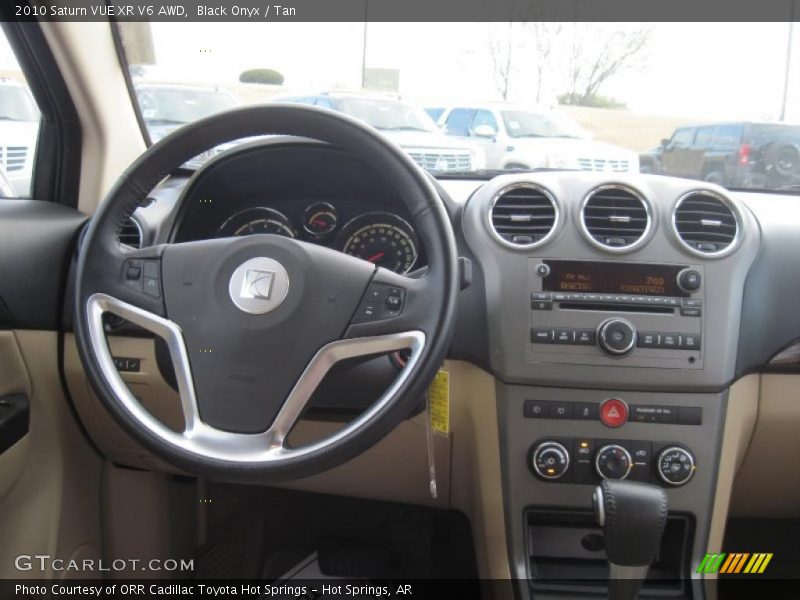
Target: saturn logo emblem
(259, 285)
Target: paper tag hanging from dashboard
(439, 403)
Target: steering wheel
(253, 324)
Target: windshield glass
(387, 115)
(16, 104)
(520, 124)
(483, 98)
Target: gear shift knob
(633, 516)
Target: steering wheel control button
(259, 285)
(690, 280)
(132, 275)
(613, 462)
(613, 413)
(675, 465)
(152, 287)
(550, 460)
(616, 337)
(380, 301)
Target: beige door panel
(768, 482)
(53, 507)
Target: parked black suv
(738, 155)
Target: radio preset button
(649, 339)
(541, 335)
(564, 336)
(668, 340)
(586, 337)
(691, 311)
(689, 341)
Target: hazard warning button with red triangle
(614, 413)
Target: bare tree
(598, 54)
(545, 37)
(501, 49)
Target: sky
(696, 70)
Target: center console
(614, 313)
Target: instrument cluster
(382, 238)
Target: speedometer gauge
(252, 221)
(383, 239)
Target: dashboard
(612, 311)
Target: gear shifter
(632, 516)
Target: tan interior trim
(87, 59)
(768, 483)
(740, 420)
(54, 506)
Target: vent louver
(706, 223)
(523, 215)
(615, 217)
(130, 234)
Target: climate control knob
(616, 337)
(550, 460)
(613, 462)
(675, 465)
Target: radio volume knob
(690, 280)
(616, 337)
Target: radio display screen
(638, 279)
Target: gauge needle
(377, 257)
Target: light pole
(788, 61)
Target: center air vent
(523, 215)
(615, 217)
(706, 223)
(131, 234)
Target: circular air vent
(131, 233)
(616, 218)
(707, 223)
(523, 215)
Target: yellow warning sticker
(439, 402)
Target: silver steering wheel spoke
(204, 440)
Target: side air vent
(707, 223)
(131, 234)
(523, 215)
(615, 217)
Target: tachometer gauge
(320, 219)
(252, 221)
(383, 239)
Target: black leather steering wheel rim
(102, 260)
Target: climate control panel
(588, 460)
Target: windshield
(387, 115)
(609, 97)
(180, 105)
(16, 105)
(520, 124)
